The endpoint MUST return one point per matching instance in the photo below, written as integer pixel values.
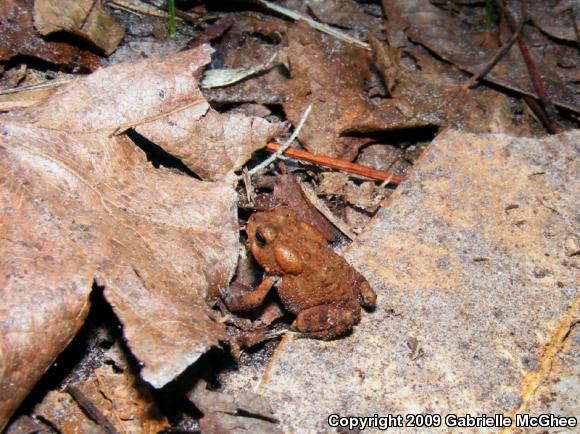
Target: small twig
(193, 18)
(573, 14)
(160, 5)
(540, 114)
(284, 147)
(249, 187)
(43, 85)
(386, 181)
(320, 206)
(494, 60)
(138, 9)
(91, 409)
(484, 70)
(532, 68)
(335, 163)
(312, 23)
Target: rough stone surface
(478, 296)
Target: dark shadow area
(400, 136)
(42, 65)
(75, 41)
(232, 6)
(158, 156)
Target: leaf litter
(84, 18)
(86, 209)
(81, 204)
(19, 37)
(111, 398)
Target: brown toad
(317, 285)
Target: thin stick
(540, 114)
(249, 187)
(494, 60)
(138, 8)
(573, 13)
(193, 18)
(485, 69)
(321, 206)
(43, 85)
(284, 147)
(179, 13)
(335, 163)
(91, 409)
(314, 24)
(532, 69)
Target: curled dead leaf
(225, 413)
(85, 18)
(331, 75)
(80, 204)
(109, 399)
(18, 36)
(454, 40)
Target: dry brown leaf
(433, 92)
(121, 400)
(241, 48)
(558, 20)
(287, 192)
(212, 145)
(250, 109)
(85, 18)
(456, 42)
(365, 195)
(61, 410)
(45, 282)
(384, 157)
(388, 61)
(26, 425)
(214, 31)
(165, 106)
(225, 413)
(79, 204)
(24, 98)
(18, 36)
(332, 184)
(344, 14)
(331, 75)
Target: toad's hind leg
(327, 321)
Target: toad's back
(311, 273)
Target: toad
(317, 285)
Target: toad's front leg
(240, 298)
(327, 321)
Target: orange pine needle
(335, 163)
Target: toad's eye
(264, 235)
(260, 239)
